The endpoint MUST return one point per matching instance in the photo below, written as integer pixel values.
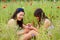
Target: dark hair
(20, 23)
(39, 13)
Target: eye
(21, 15)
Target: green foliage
(51, 9)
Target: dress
(12, 25)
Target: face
(37, 18)
(20, 16)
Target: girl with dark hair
(16, 22)
(42, 18)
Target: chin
(19, 20)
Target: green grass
(6, 13)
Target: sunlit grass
(51, 9)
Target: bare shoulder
(11, 21)
(47, 21)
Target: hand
(29, 24)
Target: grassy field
(51, 9)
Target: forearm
(33, 28)
(21, 32)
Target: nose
(37, 18)
(22, 16)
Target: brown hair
(20, 23)
(39, 13)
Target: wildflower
(4, 6)
(58, 7)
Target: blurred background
(50, 7)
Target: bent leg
(30, 35)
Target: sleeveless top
(12, 24)
(51, 26)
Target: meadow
(51, 9)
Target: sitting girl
(16, 22)
(42, 18)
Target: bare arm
(47, 23)
(24, 31)
(11, 23)
(21, 32)
(33, 28)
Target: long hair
(39, 13)
(20, 23)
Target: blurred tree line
(28, 0)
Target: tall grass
(51, 9)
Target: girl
(16, 22)
(42, 18)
